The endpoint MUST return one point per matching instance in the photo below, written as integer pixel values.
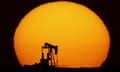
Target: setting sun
(82, 37)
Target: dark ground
(11, 12)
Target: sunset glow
(82, 38)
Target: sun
(82, 37)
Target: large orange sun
(82, 38)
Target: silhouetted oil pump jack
(48, 63)
(50, 60)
